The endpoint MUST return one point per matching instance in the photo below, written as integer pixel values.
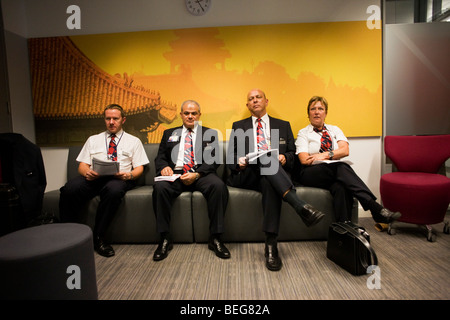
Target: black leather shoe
(219, 248)
(386, 216)
(103, 248)
(310, 215)
(163, 250)
(273, 261)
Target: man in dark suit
(270, 173)
(197, 170)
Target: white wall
(415, 96)
(55, 162)
(48, 17)
(15, 24)
(31, 18)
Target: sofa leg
(391, 229)
(430, 234)
(446, 227)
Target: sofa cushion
(72, 163)
(151, 150)
(135, 221)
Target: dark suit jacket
(286, 142)
(206, 151)
(23, 167)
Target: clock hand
(198, 1)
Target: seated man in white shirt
(115, 145)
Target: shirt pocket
(126, 154)
(98, 153)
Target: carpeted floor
(410, 268)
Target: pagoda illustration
(70, 93)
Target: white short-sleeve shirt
(130, 150)
(308, 140)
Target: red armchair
(415, 188)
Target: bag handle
(362, 239)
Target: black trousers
(271, 186)
(342, 182)
(77, 191)
(211, 186)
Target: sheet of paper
(331, 161)
(251, 156)
(105, 168)
(171, 178)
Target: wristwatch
(330, 154)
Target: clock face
(198, 7)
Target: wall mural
(150, 73)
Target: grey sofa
(135, 220)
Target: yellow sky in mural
(128, 52)
(291, 62)
(327, 49)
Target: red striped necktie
(112, 151)
(325, 142)
(260, 137)
(188, 153)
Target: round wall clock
(198, 7)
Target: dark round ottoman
(52, 261)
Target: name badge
(174, 138)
